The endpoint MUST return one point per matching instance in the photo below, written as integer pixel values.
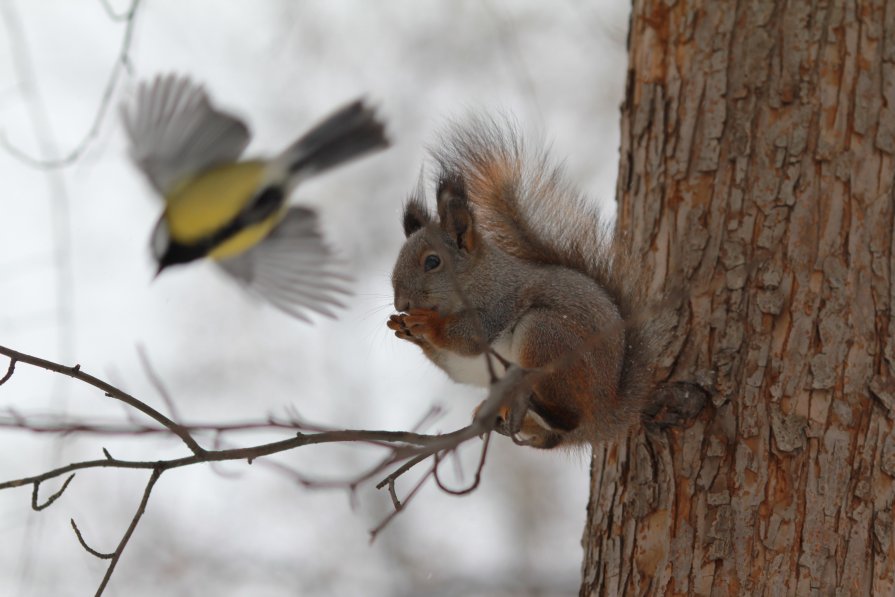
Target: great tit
(235, 211)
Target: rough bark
(757, 162)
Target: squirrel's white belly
(474, 370)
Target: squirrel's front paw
(423, 324)
(397, 324)
(419, 326)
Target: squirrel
(517, 263)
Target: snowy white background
(76, 286)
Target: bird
(235, 211)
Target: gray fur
(544, 276)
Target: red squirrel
(517, 262)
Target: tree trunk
(757, 162)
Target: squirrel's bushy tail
(523, 203)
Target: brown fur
(522, 255)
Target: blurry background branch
(406, 449)
(26, 78)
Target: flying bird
(235, 211)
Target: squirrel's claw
(525, 427)
(513, 419)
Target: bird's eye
(431, 262)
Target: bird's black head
(169, 252)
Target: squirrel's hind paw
(525, 427)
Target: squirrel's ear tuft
(451, 187)
(416, 215)
(454, 213)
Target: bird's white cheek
(160, 240)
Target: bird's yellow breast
(246, 238)
(200, 206)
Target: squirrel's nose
(402, 304)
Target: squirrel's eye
(431, 262)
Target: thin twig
(121, 63)
(478, 472)
(112, 14)
(38, 507)
(393, 493)
(403, 469)
(426, 445)
(9, 371)
(156, 473)
(392, 479)
(90, 550)
(110, 391)
(156, 382)
(391, 516)
(399, 505)
(64, 426)
(431, 415)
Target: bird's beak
(161, 266)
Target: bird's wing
(290, 268)
(175, 132)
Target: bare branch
(399, 506)
(156, 473)
(396, 501)
(406, 449)
(9, 371)
(51, 424)
(430, 416)
(121, 63)
(428, 444)
(112, 14)
(478, 472)
(110, 391)
(390, 480)
(156, 381)
(90, 550)
(38, 507)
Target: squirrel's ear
(415, 215)
(454, 213)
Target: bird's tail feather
(344, 135)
